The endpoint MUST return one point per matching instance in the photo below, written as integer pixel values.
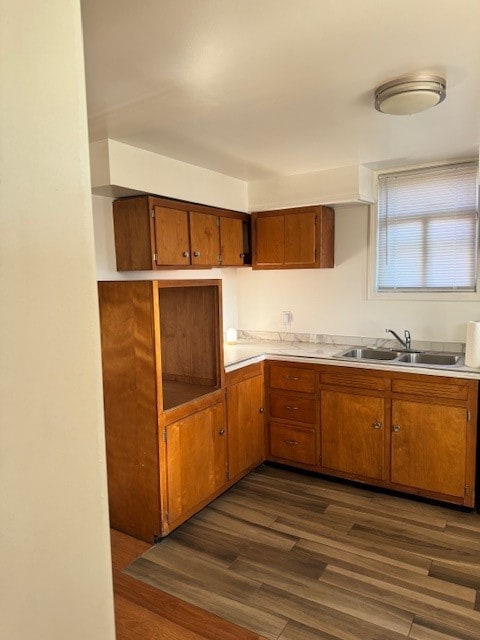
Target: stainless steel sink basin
(443, 359)
(412, 358)
(361, 353)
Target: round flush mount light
(410, 94)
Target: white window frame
(431, 296)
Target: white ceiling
(257, 88)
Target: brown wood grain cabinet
(301, 238)
(245, 419)
(153, 233)
(196, 461)
(293, 414)
(164, 401)
(429, 447)
(409, 432)
(353, 434)
(234, 241)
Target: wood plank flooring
(293, 557)
(145, 613)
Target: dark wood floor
(145, 613)
(293, 557)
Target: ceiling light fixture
(410, 94)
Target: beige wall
(55, 567)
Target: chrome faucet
(407, 343)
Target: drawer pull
(222, 432)
(396, 428)
(377, 425)
(287, 377)
(291, 407)
(292, 443)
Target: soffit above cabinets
(120, 170)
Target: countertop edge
(461, 372)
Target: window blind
(427, 229)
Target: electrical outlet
(287, 317)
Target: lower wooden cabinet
(429, 447)
(196, 456)
(293, 414)
(414, 433)
(353, 434)
(292, 443)
(245, 420)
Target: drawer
(292, 443)
(354, 379)
(435, 388)
(290, 407)
(292, 378)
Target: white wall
(106, 269)
(55, 569)
(334, 301)
(118, 169)
(329, 186)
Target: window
(427, 230)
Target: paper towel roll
(472, 347)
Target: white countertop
(248, 352)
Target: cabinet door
(270, 240)
(352, 433)
(204, 239)
(429, 446)
(231, 242)
(246, 434)
(300, 239)
(171, 237)
(196, 455)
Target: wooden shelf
(176, 393)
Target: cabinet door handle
(261, 410)
(396, 428)
(291, 407)
(292, 377)
(377, 425)
(196, 253)
(185, 254)
(292, 443)
(222, 432)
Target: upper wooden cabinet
(301, 238)
(154, 233)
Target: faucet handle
(408, 340)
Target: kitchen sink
(412, 358)
(443, 359)
(361, 353)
